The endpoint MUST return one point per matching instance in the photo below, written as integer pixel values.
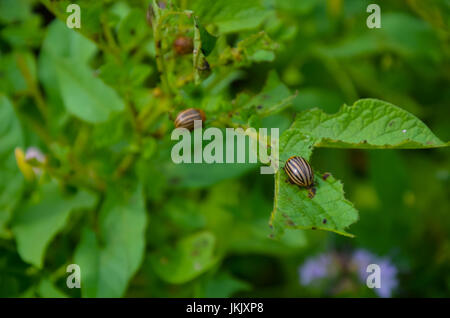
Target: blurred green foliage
(98, 103)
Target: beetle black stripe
(294, 172)
(307, 171)
(299, 171)
(186, 118)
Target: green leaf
(230, 15)
(11, 180)
(11, 135)
(132, 30)
(190, 257)
(208, 41)
(84, 95)
(36, 223)
(258, 47)
(420, 42)
(293, 208)
(328, 210)
(64, 42)
(223, 285)
(202, 175)
(60, 42)
(368, 124)
(10, 66)
(273, 98)
(47, 289)
(109, 261)
(13, 10)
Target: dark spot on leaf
(195, 253)
(324, 221)
(290, 223)
(205, 66)
(259, 107)
(313, 228)
(390, 124)
(364, 141)
(325, 176)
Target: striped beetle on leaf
(186, 118)
(300, 173)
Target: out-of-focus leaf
(191, 257)
(12, 66)
(109, 261)
(420, 42)
(128, 75)
(36, 223)
(311, 97)
(64, 42)
(204, 174)
(256, 48)
(273, 98)
(11, 180)
(13, 10)
(232, 15)
(132, 30)
(60, 42)
(25, 34)
(223, 285)
(47, 289)
(369, 124)
(208, 41)
(84, 95)
(11, 135)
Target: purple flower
(35, 153)
(316, 268)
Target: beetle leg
(311, 192)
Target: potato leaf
(293, 208)
(368, 124)
(108, 261)
(35, 224)
(191, 257)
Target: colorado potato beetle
(183, 45)
(300, 173)
(186, 118)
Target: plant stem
(32, 87)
